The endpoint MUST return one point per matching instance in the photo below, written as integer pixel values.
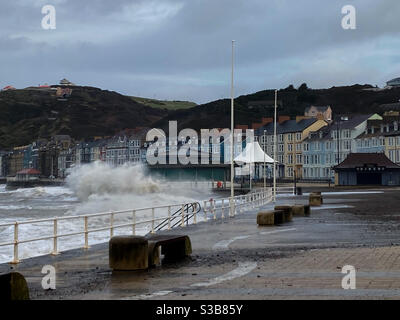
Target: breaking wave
(101, 179)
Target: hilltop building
(66, 82)
(393, 83)
(320, 112)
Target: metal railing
(286, 190)
(191, 212)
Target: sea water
(91, 188)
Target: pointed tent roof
(253, 154)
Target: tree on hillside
(303, 87)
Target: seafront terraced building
(381, 136)
(331, 145)
(290, 135)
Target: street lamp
(264, 160)
(232, 129)
(274, 189)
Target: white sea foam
(91, 188)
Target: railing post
(195, 213)
(112, 225)
(152, 220)
(16, 260)
(86, 233)
(55, 238)
(205, 210)
(222, 209)
(230, 206)
(134, 222)
(169, 217)
(214, 211)
(183, 215)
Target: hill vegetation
(29, 114)
(32, 113)
(165, 104)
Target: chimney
(265, 121)
(242, 126)
(282, 119)
(256, 125)
(299, 118)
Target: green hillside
(165, 104)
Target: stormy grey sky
(181, 49)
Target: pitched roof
(319, 108)
(353, 121)
(354, 160)
(289, 126)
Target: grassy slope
(165, 104)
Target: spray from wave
(101, 187)
(101, 179)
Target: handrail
(172, 217)
(213, 207)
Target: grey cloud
(284, 37)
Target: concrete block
(307, 210)
(301, 210)
(287, 212)
(265, 218)
(128, 253)
(176, 250)
(13, 286)
(279, 217)
(315, 200)
(154, 254)
(173, 247)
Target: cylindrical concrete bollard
(128, 253)
(13, 286)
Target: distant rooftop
(319, 108)
(66, 82)
(287, 126)
(354, 160)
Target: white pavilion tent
(251, 155)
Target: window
(280, 138)
(328, 145)
(306, 146)
(298, 136)
(290, 159)
(298, 147)
(298, 158)
(290, 137)
(281, 149)
(290, 147)
(317, 146)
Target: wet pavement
(235, 259)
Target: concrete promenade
(236, 259)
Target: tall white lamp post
(274, 196)
(232, 129)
